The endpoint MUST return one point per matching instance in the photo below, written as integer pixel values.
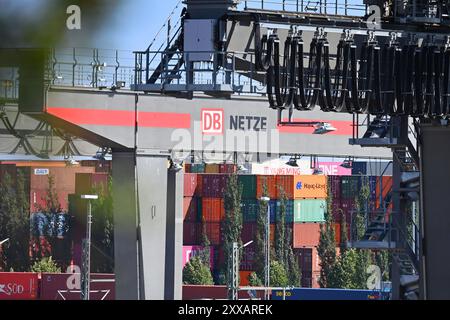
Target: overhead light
(292, 162)
(348, 164)
(324, 127)
(2, 242)
(266, 199)
(318, 171)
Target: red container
(306, 235)
(227, 168)
(85, 183)
(214, 232)
(213, 209)
(386, 187)
(244, 277)
(192, 233)
(66, 286)
(213, 185)
(18, 286)
(315, 279)
(334, 183)
(306, 279)
(271, 182)
(248, 257)
(248, 232)
(287, 183)
(190, 209)
(305, 259)
(64, 183)
(187, 168)
(190, 184)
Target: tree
(280, 231)
(344, 236)
(15, 223)
(47, 265)
(327, 245)
(254, 280)
(292, 268)
(278, 275)
(102, 229)
(260, 246)
(232, 224)
(205, 255)
(196, 273)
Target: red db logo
(212, 121)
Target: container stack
(306, 207)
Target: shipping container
(373, 188)
(187, 168)
(285, 183)
(271, 182)
(192, 209)
(212, 168)
(213, 232)
(248, 232)
(310, 210)
(213, 209)
(312, 186)
(359, 168)
(55, 286)
(19, 286)
(306, 235)
(350, 186)
(192, 233)
(191, 251)
(386, 185)
(289, 214)
(248, 257)
(305, 259)
(198, 168)
(227, 168)
(248, 183)
(244, 277)
(273, 210)
(272, 234)
(86, 183)
(249, 209)
(213, 185)
(317, 294)
(191, 184)
(334, 183)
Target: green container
(249, 209)
(350, 186)
(198, 168)
(310, 210)
(248, 186)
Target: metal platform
(373, 245)
(376, 142)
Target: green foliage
(196, 273)
(280, 231)
(344, 237)
(232, 224)
(327, 246)
(350, 270)
(292, 267)
(260, 248)
(278, 275)
(14, 223)
(204, 254)
(47, 265)
(102, 256)
(254, 280)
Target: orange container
(386, 186)
(213, 209)
(213, 232)
(212, 168)
(337, 233)
(287, 183)
(312, 186)
(244, 277)
(306, 235)
(271, 182)
(272, 234)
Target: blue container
(327, 294)
(289, 218)
(359, 168)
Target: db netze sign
(212, 121)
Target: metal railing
(234, 69)
(330, 7)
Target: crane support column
(435, 175)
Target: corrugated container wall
(306, 235)
(85, 183)
(213, 232)
(248, 183)
(249, 209)
(213, 185)
(191, 184)
(213, 209)
(310, 186)
(350, 186)
(212, 168)
(309, 210)
(248, 232)
(198, 168)
(285, 182)
(192, 209)
(271, 183)
(192, 232)
(334, 183)
(289, 214)
(359, 167)
(227, 168)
